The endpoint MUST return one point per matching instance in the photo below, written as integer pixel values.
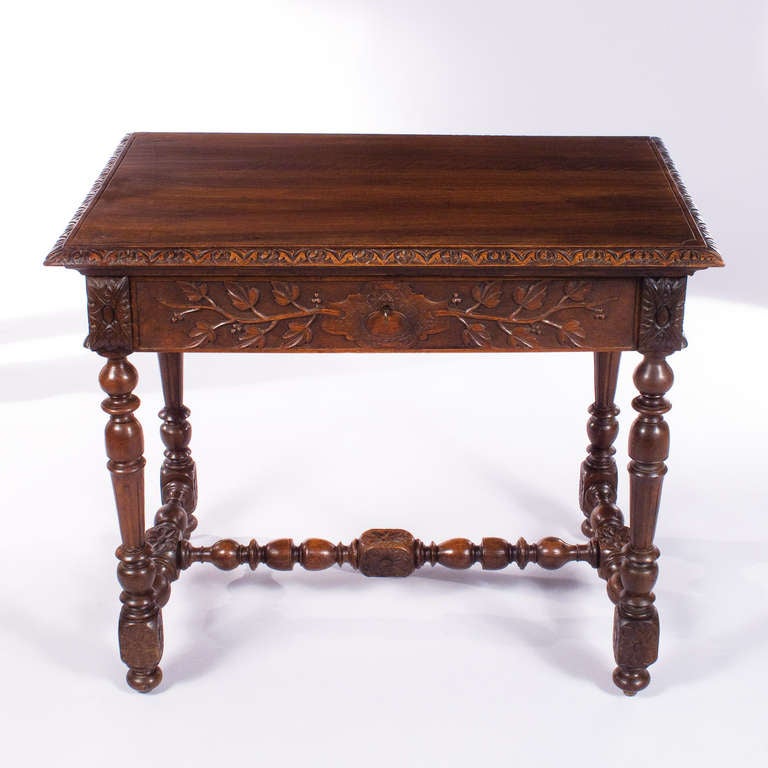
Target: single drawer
(400, 314)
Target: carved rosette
(386, 552)
(636, 643)
(661, 316)
(162, 542)
(611, 540)
(387, 315)
(162, 539)
(109, 315)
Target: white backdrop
(332, 669)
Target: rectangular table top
(292, 200)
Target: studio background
(329, 668)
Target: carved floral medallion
(661, 316)
(389, 314)
(109, 314)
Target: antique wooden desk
(293, 243)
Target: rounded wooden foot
(142, 681)
(631, 680)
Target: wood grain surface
(361, 200)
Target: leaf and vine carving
(248, 325)
(534, 313)
(522, 315)
(694, 257)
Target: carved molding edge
(98, 185)
(673, 172)
(242, 256)
(109, 315)
(662, 301)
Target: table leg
(598, 480)
(636, 621)
(140, 628)
(178, 475)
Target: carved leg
(178, 476)
(141, 627)
(636, 621)
(598, 471)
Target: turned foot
(142, 681)
(631, 680)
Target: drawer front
(510, 315)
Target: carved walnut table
(291, 243)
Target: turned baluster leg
(178, 475)
(140, 627)
(636, 622)
(599, 477)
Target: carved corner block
(386, 552)
(635, 641)
(141, 641)
(595, 486)
(109, 315)
(662, 300)
(612, 536)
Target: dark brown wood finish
(291, 243)
(178, 475)
(356, 315)
(599, 476)
(388, 552)
(237, 200)
(636, 622)
(141, 626)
